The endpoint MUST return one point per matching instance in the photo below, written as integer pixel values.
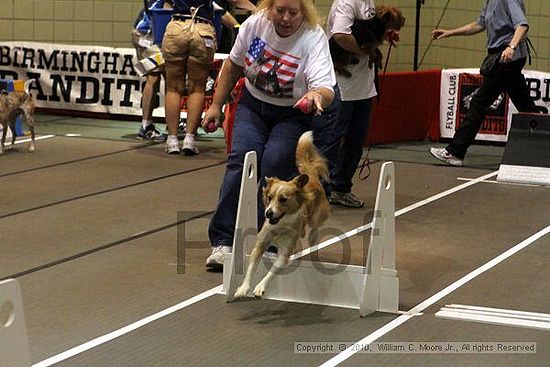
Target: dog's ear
(301, 180)
(391, 16)
(268, 184)
(268, 181)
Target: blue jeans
(508, 78)
(354, 124)
(272, 132)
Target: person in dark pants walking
(506, 26)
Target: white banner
(83, 78)
(457, 89)
(70, 77)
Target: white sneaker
(172, 146)
(443, 155)
(217, 257)
(189, 147)
(270, 255)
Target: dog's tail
(27, 86)
(308, 159)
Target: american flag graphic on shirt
(271, 70)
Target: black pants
(508, 78)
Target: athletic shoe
(189, 147)
(217, 257)
(270, 255)
(150, 133)
(443, 155)
(346, 199)
(172, 146)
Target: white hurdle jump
(14, 350)
(369, 288)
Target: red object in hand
(305, 105)
(392, 36)
(211, 127)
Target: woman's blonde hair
(311, 17)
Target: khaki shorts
(184, 39)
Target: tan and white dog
(13, 105)
(289, 207)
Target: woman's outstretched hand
(212, 118)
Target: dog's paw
(241, 291)
(259, 290)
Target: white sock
(145, 123)
(172, 138)
(190, 137)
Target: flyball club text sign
(457, 89)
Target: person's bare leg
(172, 110)
(198, 75)
(147, 95)
(175, 85)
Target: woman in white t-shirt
(284, 56)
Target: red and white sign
(457, 89)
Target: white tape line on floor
(21, 141)
(126, 329)
(216, 290)
(336, 360)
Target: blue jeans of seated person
(507, 78)
(354, 124)
(272, 132)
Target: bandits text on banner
(83, 78)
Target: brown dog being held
(13, 105)
(369, 35)
(290, 206)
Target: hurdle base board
(524, 174)
(322, 283)
(14, 349)
(523, 160)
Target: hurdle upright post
(14, 350)
(246, 227)
(381, 284)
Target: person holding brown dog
(357, 86)
(356, 95)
